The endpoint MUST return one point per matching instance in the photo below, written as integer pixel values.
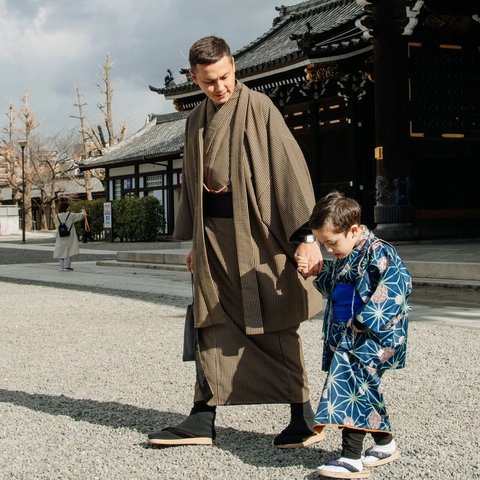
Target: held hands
(309, 259)
(189, 261)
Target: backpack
(63, 230)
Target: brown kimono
(249, 298)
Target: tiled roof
(163, 135)
(65, 186)
(77, 186)
(331, 23)
(323, 16)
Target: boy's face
(340, 245)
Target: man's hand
(309, 259)
(189, 261)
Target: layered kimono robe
(249, 298)
(67, 246)
(352, 394)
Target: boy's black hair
(336, 209)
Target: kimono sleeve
(291, 178)
(184, 221)
(323, 282)
(183, 229)
(385, 287)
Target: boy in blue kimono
(365, 332)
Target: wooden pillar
(106, 183)
(393, 211)
(170, 199)
(136, 175)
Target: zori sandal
(341, 469)
(375, 458)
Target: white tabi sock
(373, 460)
(357, 464)
(388, 448)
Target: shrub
(94, 210)
(137, 219)
(134, 219)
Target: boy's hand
(309, 259)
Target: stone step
(168, 257)
(151, 266)
(453, 274)
(444, 270)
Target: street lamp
(23, 144)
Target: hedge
(133, 219)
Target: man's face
(217, 80)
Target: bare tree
(29, 124)
(105, 88)
(10, 154)
(12, 157)
(48, 165)
(52, 171)
(85, 154)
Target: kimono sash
(346, 302)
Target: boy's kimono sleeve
(324, 282)
(384, 287)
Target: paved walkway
(460, 306)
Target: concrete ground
(32, 263)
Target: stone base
(394, 222)
(393, 213)
(397, 231)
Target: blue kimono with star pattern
(352, 395)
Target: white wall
(9, 220)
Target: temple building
(382, 97)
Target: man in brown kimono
(246, 197)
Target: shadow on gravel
(109, 414)
(142, 420)
(155, 298)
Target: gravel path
(85, 376)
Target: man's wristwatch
(310, 238)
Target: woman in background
(66, 247)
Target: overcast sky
(51, 47)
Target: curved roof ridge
(276, 26)
(314, 4)
(168, 117)
(148, 125)
(289, 13)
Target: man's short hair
(337, 210)
(208, 50)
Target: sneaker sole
(181, 441)
(318, 437)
